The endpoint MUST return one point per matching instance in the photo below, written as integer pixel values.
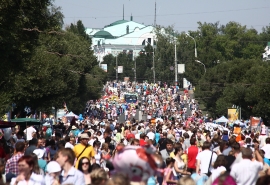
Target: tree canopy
(43, 66)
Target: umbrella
(7, 124)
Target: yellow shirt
(88, 152)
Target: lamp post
(195, 44)
(135, 66)
(116, 75)
(154, 72)
(202, 64)
(175, 61)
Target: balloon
(138, 163)
(7, 133)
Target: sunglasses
(86, 163)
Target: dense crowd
(176, 144)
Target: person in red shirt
(142, 139)
(192, 152)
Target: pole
(135, 77)
(116, 69)
(135, 66)
(240, 114)
(175, 63)
(154, 71)
(195, 49)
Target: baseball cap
(53, 167)
(129, 136)
(39, 152)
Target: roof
(117, 22)
(103, 34)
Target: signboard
(254, 121)
(181, 68)
(104, 67)
(233, 114)
(120, 69)
(185, 83)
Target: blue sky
(182, 14)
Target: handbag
(209, 173)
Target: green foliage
(43, 66)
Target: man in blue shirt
(69, 175)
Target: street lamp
(195, 44)
(202, 64)
(135, 66)
(175, 61)
(154, 72)
(116, 75)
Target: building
(266, 54)
(121, 36)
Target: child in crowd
(168, 174)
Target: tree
(21, 22)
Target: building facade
(121, 36)
(266, 54)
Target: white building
(121, 36)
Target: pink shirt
(166, 172)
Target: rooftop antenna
(123, 11)
(155, 14)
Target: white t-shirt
(204, 157)
(216, 172)
(246, 172)
(151, 135)
(69, 145)
(29, 131)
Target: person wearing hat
(41, 162)
(83, 149)
(53, 172)
(74, 130)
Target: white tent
(71, 114)
(239, 122)
(222, 119)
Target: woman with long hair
(85, 167)
(36, 168)
(27, 175)
(179, 165)
(219, 167)
(98, 154)
(105, 149)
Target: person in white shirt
(266, 148)
(29, 131)
(203, 159)
(247, 170)
(68, 144)
(151, 134)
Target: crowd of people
(178, 147)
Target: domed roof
(102, 34)
(117, 22)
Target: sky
(183, 15)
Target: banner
(232, 114)
(254, 121)
(181, 68)
(104, 67)
(120, 69)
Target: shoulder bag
(84, 150)
(209, 173)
